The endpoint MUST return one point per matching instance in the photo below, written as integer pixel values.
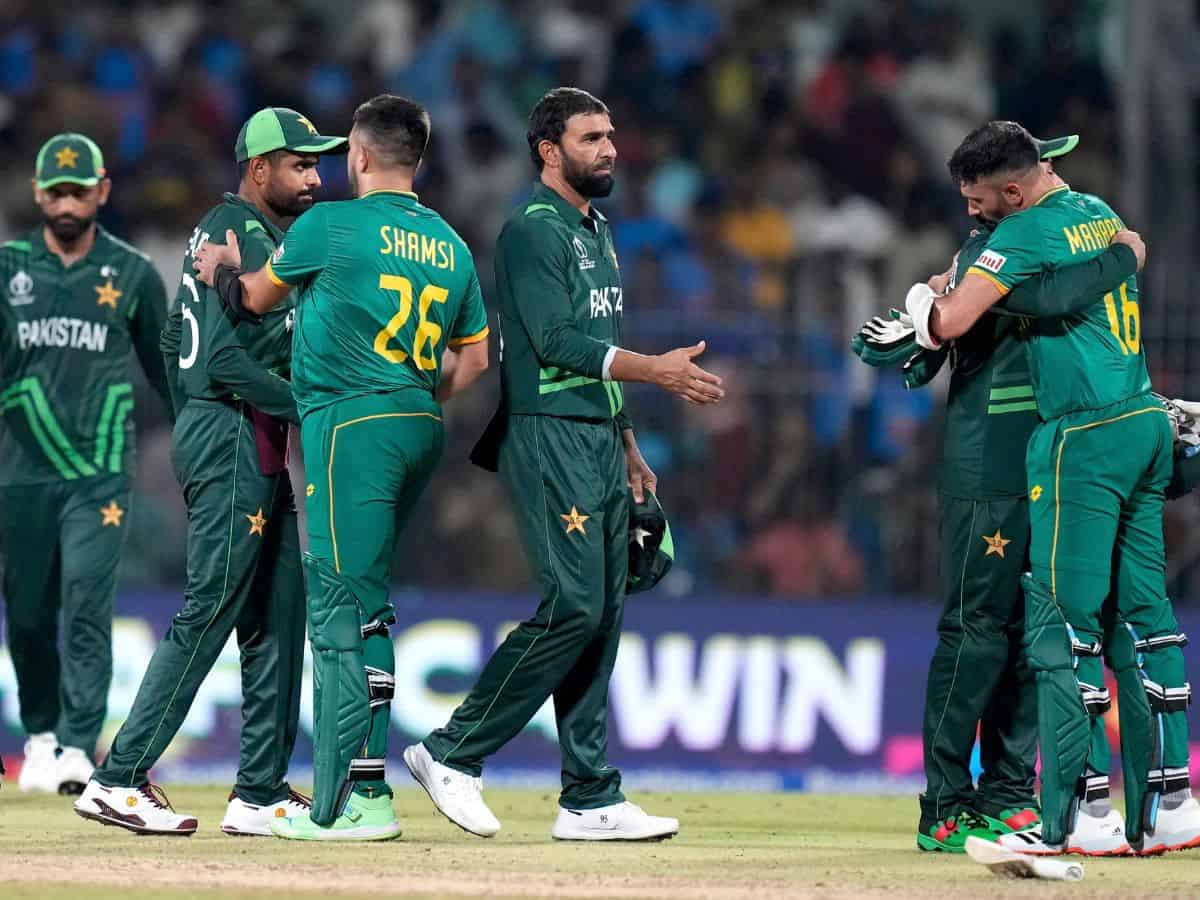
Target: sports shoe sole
(649, 839)
(135, 828)
(417, 778)
(1159, 851)
(357, 835)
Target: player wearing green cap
(1098, 466)
(978, 682)
(385, 289)
(79, 304)
(229, 451)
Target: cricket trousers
(1098, 589)
(979, 681)
(243, 575)
(367, 460)
(62, 547)
(569, 489)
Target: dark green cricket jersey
(385, 285)
(1094, 357)
(210, 358)
(66, 339)
(561, 304)
(990, 409)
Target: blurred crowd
(781, 177)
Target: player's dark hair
(992, 148)
(549, 118)
(396, 128)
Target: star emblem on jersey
(257, 522)
(111, 514)
(1036, 493)
(575, 520)
(996, 544)
(310, 490)
(65, 158)
(107, 295)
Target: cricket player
(229, 451)
(568, 457)
(385, 288)
(79, 304)
(978, 680)
(1098, 465)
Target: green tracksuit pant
(62, 546)
(978, 678)
(569, 489)
(243, 575)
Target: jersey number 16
(1130, 321)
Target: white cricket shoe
(247, 818)
(142, 810)
(619, 822)
(458, 797)
(39, 772)
(74, 771)
(1092, 836)
(1174, 829)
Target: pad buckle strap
(1165, 699)
(366, 770)
(381, 686)
(1096, 701)
(1079, 648)
(378, 626)
(1093, 787)
(1161, 642)
(1166, 780)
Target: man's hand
(674, 371)
(1134, 242)
(641, 477)
(211, 255)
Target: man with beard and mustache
(78, 305)
(566, 452)
(229, 448)
(387, 293)
(979, 680)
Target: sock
(1175, 799)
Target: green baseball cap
(1059, 146)
(69, 158)
(279, 128)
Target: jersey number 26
(428, 332)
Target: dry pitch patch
(731, 847)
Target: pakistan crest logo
(20, 289)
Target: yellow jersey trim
(388, 191)
(975, 270)
(1052, 191)
(470, 339)
(275, 279)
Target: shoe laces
(296, 798)
(156, 796)
(462, 785)
(968, 818)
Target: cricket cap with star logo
(69, 158)
(280, 128)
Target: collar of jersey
(543, 194)
(1054, 190)
(37, 244)
(408, 194)
(273, 230)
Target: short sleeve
(1012, 254)
(304, 251)
(471, 326)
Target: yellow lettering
(428, 251)
(451, 246)
(1073, 239)
(414, 246)
(387, 242)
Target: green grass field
(730, 846)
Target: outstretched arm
(256, 292)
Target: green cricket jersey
(207, 356)
(1092, 358)
(561, 304)
(990, 410)
(385, 285)
(66, 336)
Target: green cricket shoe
(1016, 818)
(951, 833)
(364, 819)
